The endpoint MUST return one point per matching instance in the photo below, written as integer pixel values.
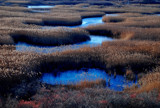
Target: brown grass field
(134, 53)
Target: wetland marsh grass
(138, 49)
(126, 33)
(109, 56)
(140, 21)
(56, 36)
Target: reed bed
(83, 12)
(131, 9)
(109, 56)
(134, 21)
(148, 83)
(56, 36)
(16, 66)
(20, 22)
(144, 22)
(54, 18)
(68, 15)
(14, 8)
(63, 19)
(137, 52)
(127, 33)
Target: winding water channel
(76, 76)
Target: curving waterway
(94, 40)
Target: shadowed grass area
(113, 19)
(16, 66)
(6, 39)
(15, 2)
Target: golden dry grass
(14, 8)
(148, 83)
(88, 84)
(53, 18)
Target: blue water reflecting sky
(76, 76)
(40, 6)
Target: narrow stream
(85, 22)
(40, 7)
(95, 40)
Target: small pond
(76, 76)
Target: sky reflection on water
(76, 76)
